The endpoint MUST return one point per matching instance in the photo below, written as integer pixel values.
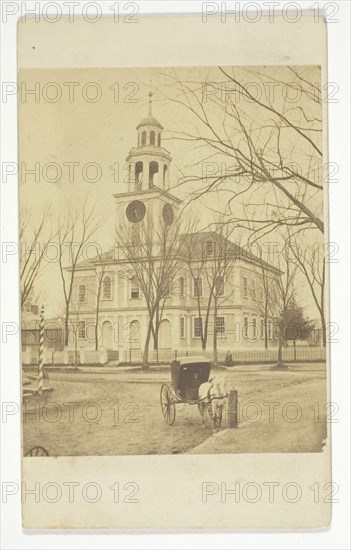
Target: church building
(106, 297)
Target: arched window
(152, 138)
(165, 174)
(139, 173)
(159, 139)
(143, 138)
(107, 288)
(153, 170)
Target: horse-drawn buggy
(191, 384)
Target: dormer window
(209, 248)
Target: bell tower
(149, 162)
(148, 179)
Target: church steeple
(149, 162)
(148, 196)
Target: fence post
(233, 409)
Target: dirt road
(119, 413)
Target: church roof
(197, 243)
(150, 121)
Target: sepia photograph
(175, 227)
(173, 269)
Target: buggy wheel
(167, 404)
(37, 451)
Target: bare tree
(100, 275)
(218, 272)
(264, 295)
(74, 233)
(151, 253)
(310, 260)
(34, 242)
(75, 311)
(100, 264)
(284, 300)
(270, 145)
(210, 257)
(194, 250)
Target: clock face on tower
(168, 215)
(136, 211)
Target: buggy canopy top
(188, 373)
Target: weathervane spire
(150, 103)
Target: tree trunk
(66, 326)
(215, 351)
(280, 346)
(97, 328)
(324, 332)
(75, 346)
(145, 365)
(155, 335)
(265, 334)
(154, 332)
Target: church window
(143, 138)
(152, 138)
(254, 328)
(197, 326)
(198, 287)
(246, 327)
(165, 171)
(181, 287)
(107, 288)
(134, 289)
(209, 248)
(245, 289)
(138, 172)
(153, 170)
(253, 290)
(81, 330)
(159, 140)
(220, 325)
(182, 327)
(81, 294)
(220, 285)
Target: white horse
(212, 398)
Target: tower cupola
(149, 162)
